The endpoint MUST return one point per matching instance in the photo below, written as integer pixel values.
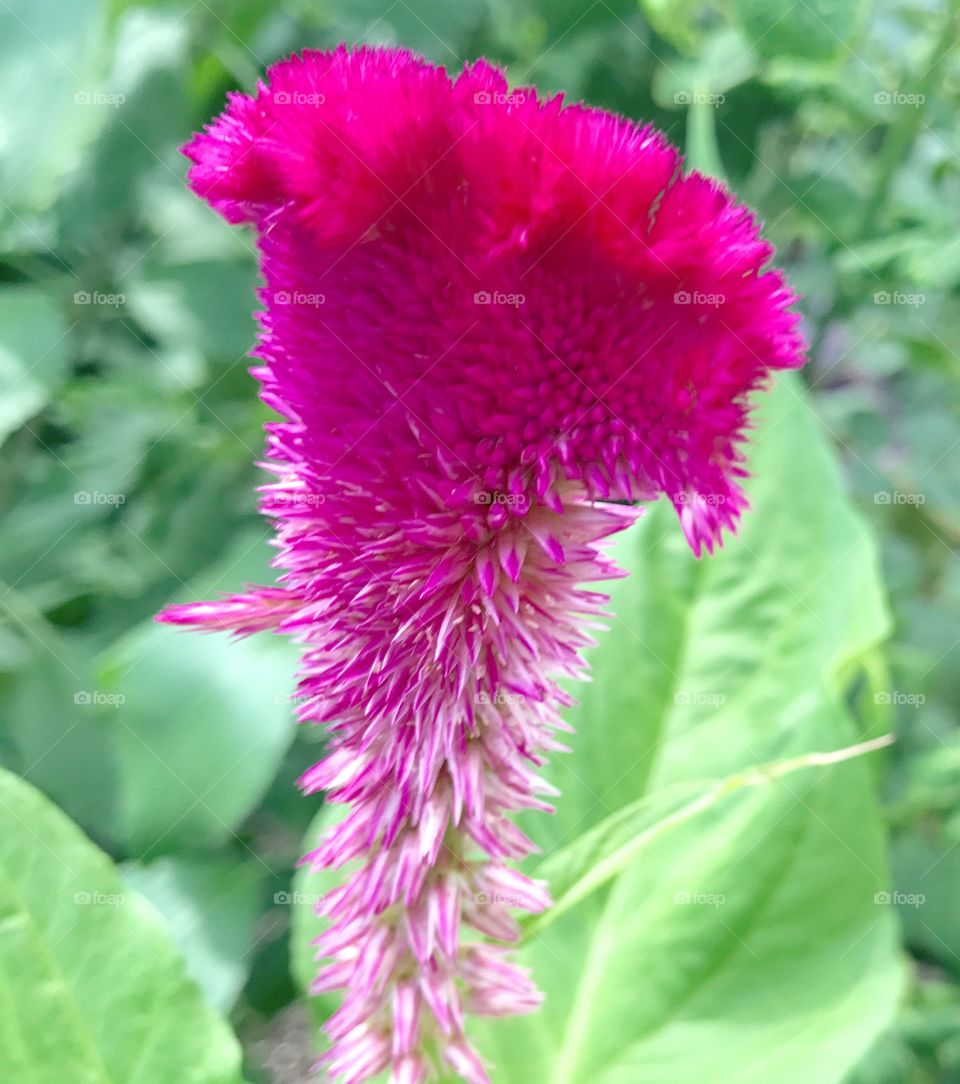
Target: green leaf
(308, 887)
(32, 356)
(54, 49)
(137, 138)
(202, 727)
(726, 61)
(58, 723)
(91, 988)
(674, 20)
(751, 943)
(437, 29)
(200, 306)
(210, 904)
(605, 851)
(926, 874)
(802, 28)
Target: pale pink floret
(486, 317)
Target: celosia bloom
(492, 326)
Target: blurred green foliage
(130, 427)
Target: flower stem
(902, 133)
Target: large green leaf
(603, 852)
(58, 723)
(926, 871)
(747, 943)
(91, 988)
(210, 904)
(201, 727)
(54, 49)
(728, 657)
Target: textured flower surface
(493, 326)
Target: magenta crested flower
(493, 326)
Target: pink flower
(487, 318)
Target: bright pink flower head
(486, 317)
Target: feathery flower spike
(492, 326)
